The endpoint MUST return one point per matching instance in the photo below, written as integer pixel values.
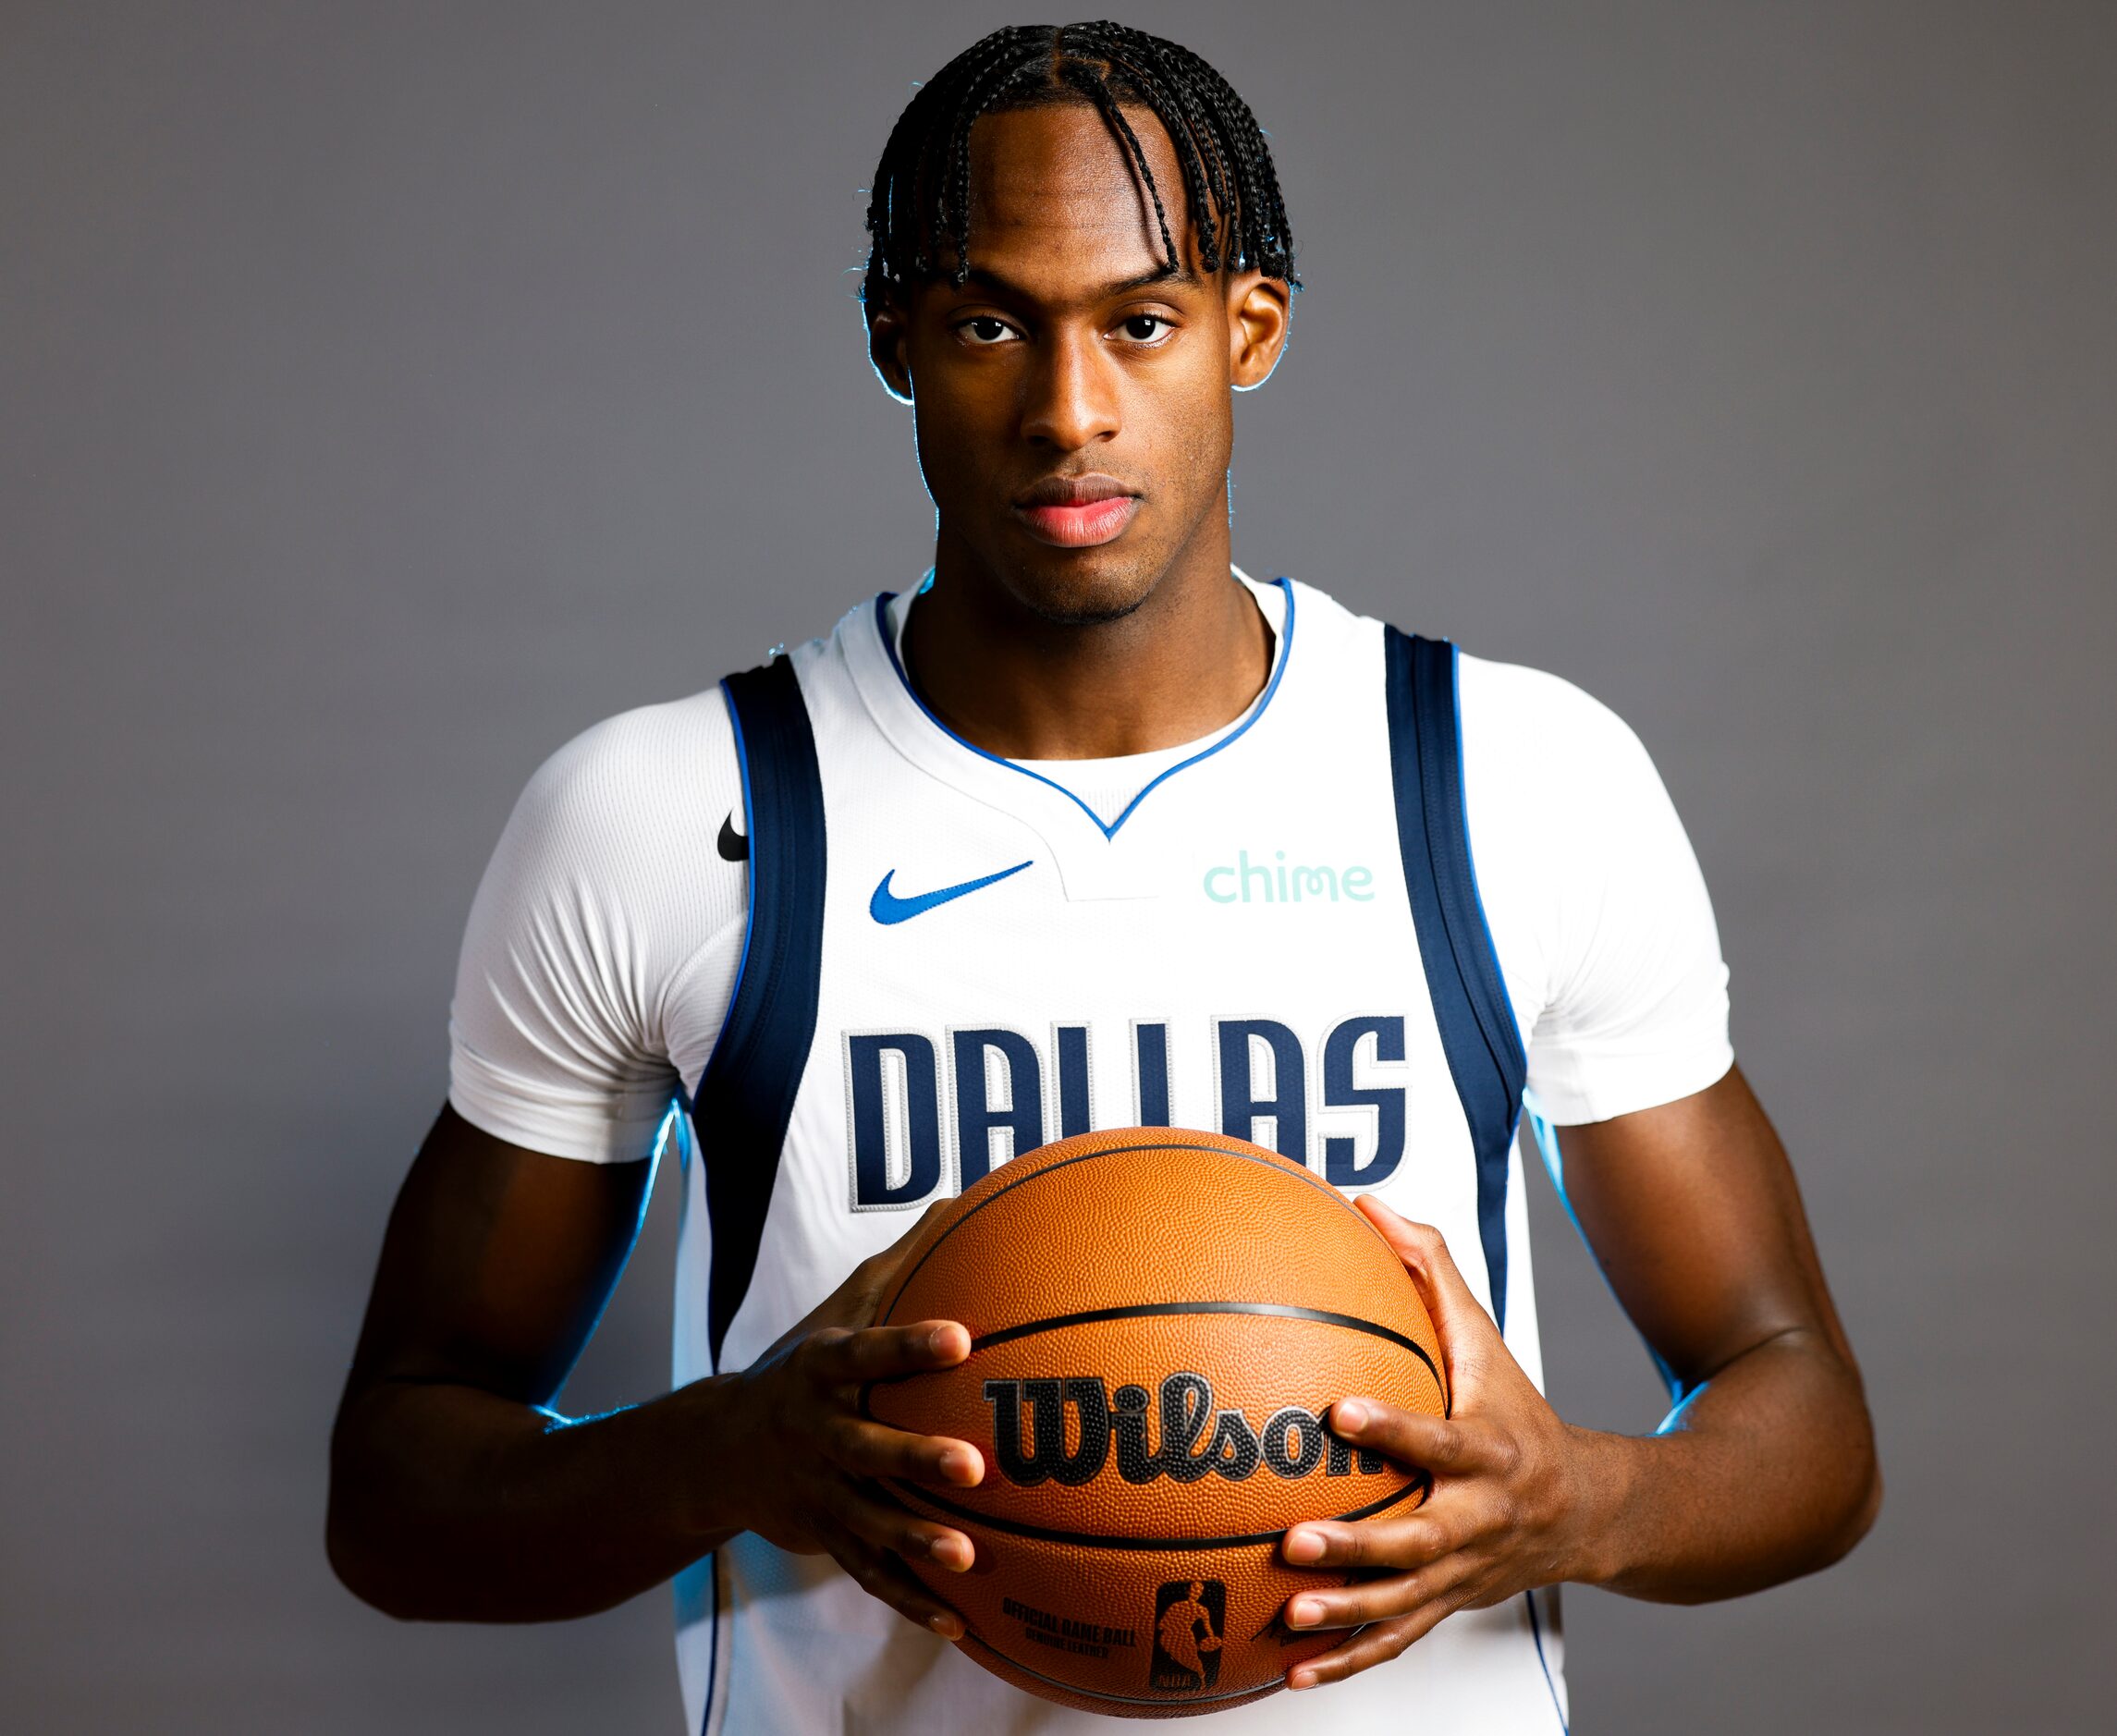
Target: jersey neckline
(1282, 655)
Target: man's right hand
(814, 1460)
(458, 1494)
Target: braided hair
(918, 213)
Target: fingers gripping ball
(1159, 1319)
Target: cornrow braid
(1099, 92)
(1156, 93)
(918, 212)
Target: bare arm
(457, 1493)
(1765, 1470)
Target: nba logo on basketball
(1189, 1617)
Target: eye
(1145, 328)
(984, 330)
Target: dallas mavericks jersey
(953, 958)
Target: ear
(888, 328)
(1260, 312)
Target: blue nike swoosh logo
(886, 906)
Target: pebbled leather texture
(1186, 1305)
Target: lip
(1076, 511)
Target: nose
(1070, 395)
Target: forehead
(1056, 200)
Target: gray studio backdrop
(389, 391)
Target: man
(1091, 830)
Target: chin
(1085, 588)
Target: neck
(1191, 657)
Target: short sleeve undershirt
(603, 944)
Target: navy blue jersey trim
(749, 889)
(1477, 1029)
(713, 1645)
(1495, 979)
(746, 1094)
(1537, 1633)
(1108, 828)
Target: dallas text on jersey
(997, 1085)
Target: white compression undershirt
(603, 944)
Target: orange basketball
(1159, 1319)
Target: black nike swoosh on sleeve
(734, 847)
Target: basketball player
(1088, 828)
(1185, 1633)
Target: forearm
(453, 1504)
(1766, 1472)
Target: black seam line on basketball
(1174, 1698)
(1137, 1311)
(1109, 1151)
(1097, 1540)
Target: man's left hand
(1515, 1490)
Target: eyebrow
(1164, 273)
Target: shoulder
(569, 1027)
(606, 883)
(1537, 744)
(1510, 710)
(652, 774)
(1504, 706)
(607, 833)
(1597, 909)
(629, 764)
(1557, 785)
(1525, 733)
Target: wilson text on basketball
(1184, 1436)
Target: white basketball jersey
(953, 958)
